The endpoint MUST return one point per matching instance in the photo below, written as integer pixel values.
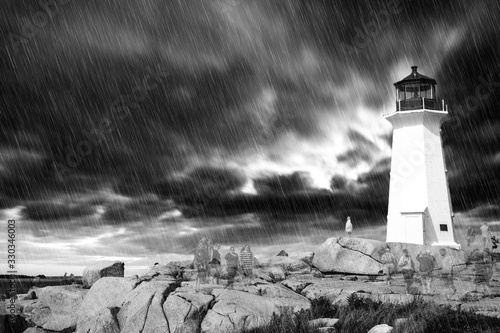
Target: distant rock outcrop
(93, 273)
(282, 253)
(55, 307)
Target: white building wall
(439, 201)
(418, 181)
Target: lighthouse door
(414, 227)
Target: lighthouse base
(447, 244)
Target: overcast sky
(130, 128)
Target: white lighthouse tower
(419, 200)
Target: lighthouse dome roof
(415, 77)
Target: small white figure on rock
(348, 227)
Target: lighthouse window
(412, 91)
(426, 91)
(401, 93)
(443, 227)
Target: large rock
(235, 311)
(362, 256)
(97, 313)
(349, 255)
(270, 273)
(382, 328)
(55, 307)
(143, 308)
(93, 273)
(185, 311)
(284, 297)
(338, 291)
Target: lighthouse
(420, 209)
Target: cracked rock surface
(143, 310)
(94, 315)
(185, 311)
(55, 307)
(349, 255)
(235, 310)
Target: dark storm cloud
(74, 93)
(280, 197)
(286, 184)
(353, 157)
(338, 182)
(41, 211)
(374, 184)
(364, 150)
(201, 185)
(106, 209)
(139, 209)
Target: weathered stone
(30, 295)
(282, 253)
(169, 269)
(234, 310)
(276, 273)
(185, 311)
(328, 289)
(349, 255)
(349, 278)
(103, 321)
(55, 307)
(383, 328)
(190, 274)
(296, 285)
(284, 297)
(143, 308)
(287, 263)
(94, 315)
(337, 291)
(270, 274)
(306, 257)
(93, 273)
(185, 263)
(156, 320)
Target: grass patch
(361, 314)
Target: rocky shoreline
(164, 298)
